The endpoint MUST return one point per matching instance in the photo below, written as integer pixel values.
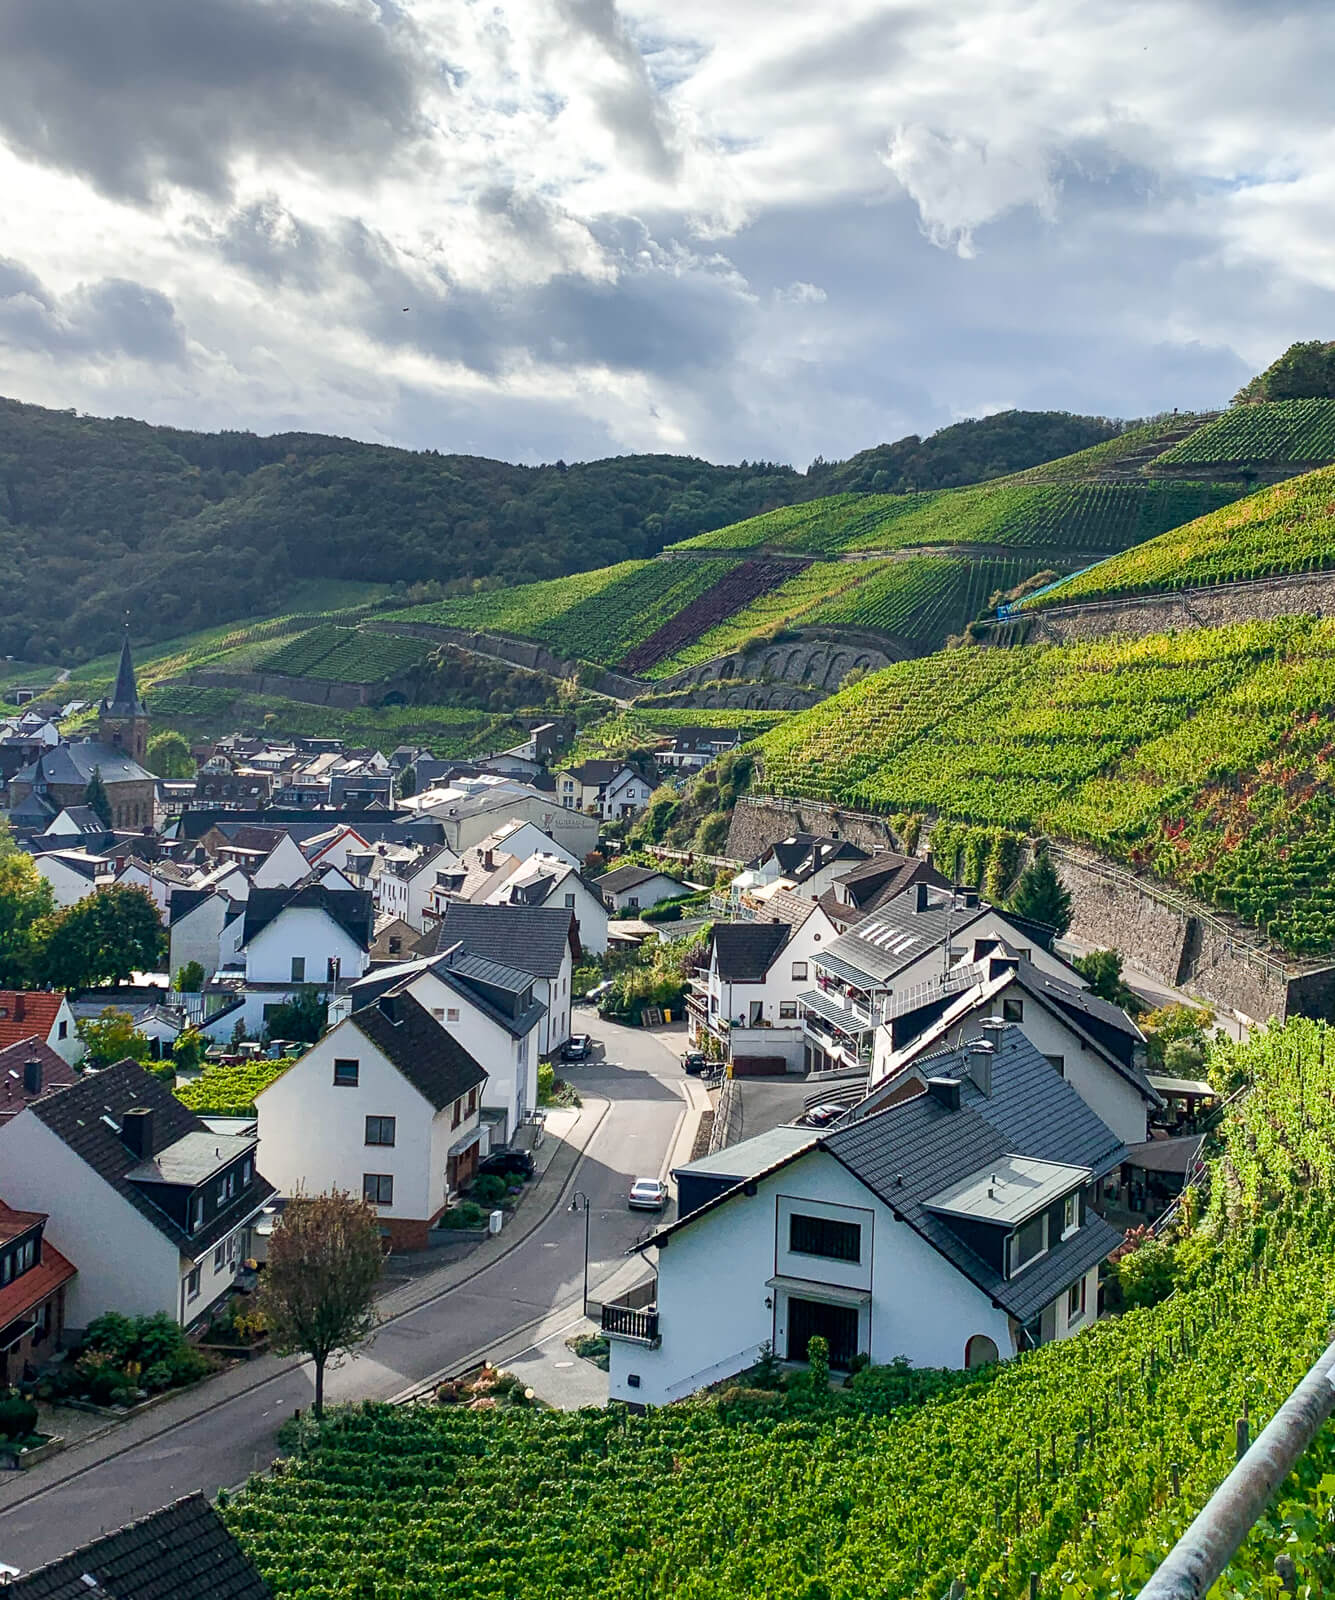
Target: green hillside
(1289, 527)
(1205, 758)
(1079, 1462)
(1284, 435)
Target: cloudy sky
(542, 228)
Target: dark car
(507, 1164)
(693, 1061)
(578, 1047)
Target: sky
(574, 228)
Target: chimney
(20, 1006)
(993, 1028)
(920, 901)
(137, 1131)
(945, 1091)
(489, 860)
(978, 1064)
(969, 899)
(32, 1077)
(390, 1008)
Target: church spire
(122, 720)
(124, 700)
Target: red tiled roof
(31, 1288)
(56, 1074)
(25, 1013)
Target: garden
(122, 1361)
(228, 1089)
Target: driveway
(532, 1291)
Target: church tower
(122, 721)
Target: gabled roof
(83, 819)
(87, 1117)
(804, 854)
(56, 1074)
(23, 1294)
(27, 1014)
(541, 935)
(423, 1050)
(74, 764)
(183, 901)
(183, 1552)
(898, 934)
(745, 951)
(786, 907)
(352, 909)
(622, 878)
(462, 974)
(883, 876)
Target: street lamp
(580, 1202)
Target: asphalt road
(495, 1312)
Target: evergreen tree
(1040, 896)
(95, 795)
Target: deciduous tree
(319, 1286)
(169, 755)
(25, 904)
(103, 938)
(113, 1037)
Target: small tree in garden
(113, 1037)
(190, 978)
(319, 1285)
(1041, 896)
(95, 797)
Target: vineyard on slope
(923, 599)
(1289, 527)
(738, 587)
(1205, 758)
(1278, 433)
(528, 610)
(1078, 1463)
(346, 655)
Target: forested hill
(182, 529)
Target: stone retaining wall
(520, 653)
(818, 659)
(310, 691)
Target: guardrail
(627, 1323)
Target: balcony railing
(625, 1322)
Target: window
(1058, 1063)
(298, 969)
(192, 1285)
(196, 1212)
(1012, 1010)
(1029, 1242)
(63, 1030)
(799, 972)
(6, 1269)
(247, 1172)
(226, 1188)
(346, 1074)
(570, 902)
(451, 1013)
(378, 1188)
(219, 1257)
(380, 1130)
(824, 1236)
(633, 901)
(472, 1101)
(1025, 952)
(457, 1113)
(395, 944)
(1075, 1301)
(1070, 1215)
(787, 1010)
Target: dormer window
(1027, 1244)
(1070, 1215)
(196, 1212)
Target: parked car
(507, 1164)
(578, 1047)
(600, 991)
(823, 1115)
(693, 1061)
(647, 1194)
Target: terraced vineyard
(1078, 1463)
(923, 599)
(738, 587)
(1289, 527)
(529, 610)
(1207, 759)
(1278, 433)
(347, 655)
(1071, 517)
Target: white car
(647, 1194)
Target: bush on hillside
(1306, 371)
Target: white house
(545, 880)
(402, 877)
(387, 1105)
(307, 938)
(1093, 1044)
(930, 1229)
(154, 1207)
(284, 866)
(490, 1009)
(544, 938)
(74, 874)
(626, 794)
(630, 890)
(471, 808)
(521, 839)
(40, 1014)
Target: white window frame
(1070, 1215)
(1015, 1271)
(1077, 1290)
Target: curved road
(494, 1312)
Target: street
(532, 1290)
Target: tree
(113, 1037)
(407, 783)
(95, 795)
(104, 938)
(25, 905)
(1102, 969)
(1305, 371)
(319, 1284)
(188, 1051)
(190, 979)
(1040, 896)
(302, 1017)
(169, 755)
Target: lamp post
(580, 1202)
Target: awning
(1165, 1155)
(11, 1335)
(466, 1143)
(1179, 1086)
(809, 1289)
(846, 1022)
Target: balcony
(635, 1316)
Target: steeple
(122, 721)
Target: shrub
(18, 1417)
(488, 1190)
(464, 1215)
(1147, 1274)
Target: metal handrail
(1209, 1544)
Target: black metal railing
(631, 1323)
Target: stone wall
(758, 823)
(737, 697)
(1266, 598)
(823, 660)
(520, 653)
(310, 691)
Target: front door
(757, 1013)
(838, 1325)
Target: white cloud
(730, 229)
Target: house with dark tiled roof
(954, 1226)
(304, 939)
(183, 1552)
(388, 1104)
(630, 890)
(544, 939)
(152, 1205)
(30, 1068)
(34, 1277)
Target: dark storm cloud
(132, 94)
(114, 317)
